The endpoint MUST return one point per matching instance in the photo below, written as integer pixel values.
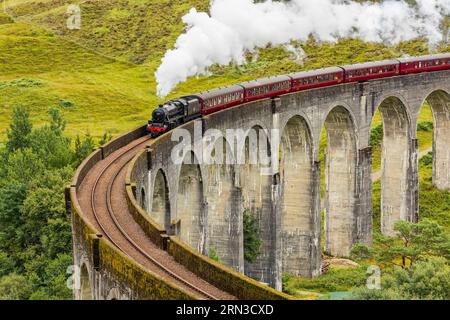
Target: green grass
(94, 92)
(102, 75)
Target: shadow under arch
(299, 257)
(143, 202)
(439, 101)
(396, 164)
(340, 182)
(160, 210)
(190, 203)
(86, 292)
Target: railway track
(103, 198)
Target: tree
(35, 235)
(83, 147)
(105, 138)
(427, 279)
(252, 241)
(19, 129)
(6, 264)
(411, 243)
(57, 124)
(14, 287)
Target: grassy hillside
(101, 76)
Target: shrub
(252, 241)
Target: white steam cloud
(239, 26)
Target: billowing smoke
(239, 26)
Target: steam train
(178, 111)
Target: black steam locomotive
(174, 113)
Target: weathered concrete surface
(340, 182)
(440, 106)
(224, 208)
(297, 212)
(287, 203)
(191, 205)
(160, 210)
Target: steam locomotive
(178, 111)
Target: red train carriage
(426, 63)
(178, 111)
(371, 70)
(316, 78)
(266, 88)
(221, 98)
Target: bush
(376, 135)
(425, 280)
(212, 254)
(252, 241)
(14, 287)
(426, 126)
(427, 159)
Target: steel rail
(123, 232)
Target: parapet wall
(110, 274)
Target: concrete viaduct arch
(209, 199)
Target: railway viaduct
(192, 206)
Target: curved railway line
(102, 197)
